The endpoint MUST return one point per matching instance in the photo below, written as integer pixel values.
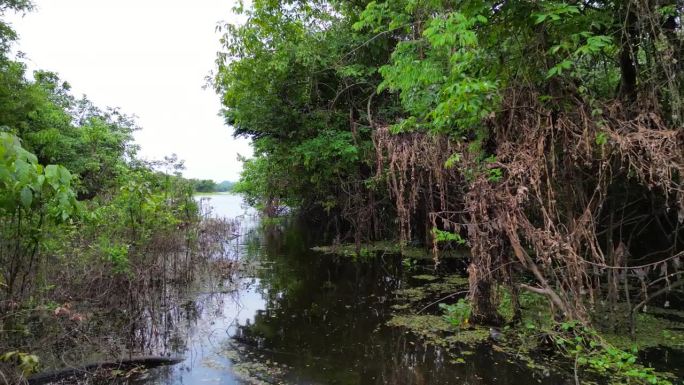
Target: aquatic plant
(457, 314)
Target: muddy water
(300, 317)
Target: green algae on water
(436, 330)
(370, 250)
(374, 249)
(434, 288)
(651, 331)
(250, 367)
(450, 284)
(258, 373)
(425, 277)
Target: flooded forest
(441, 192)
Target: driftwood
(61, 374)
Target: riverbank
(332, 318)
(209, 194)
(116, 294)
(278, 310)
(323, 319)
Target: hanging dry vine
(545, 213)
(418, 181)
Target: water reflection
(300, 317)
(325, 317)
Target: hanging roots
(418, 181)
(544, 214)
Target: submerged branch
(146, 361)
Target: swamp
(438, 192)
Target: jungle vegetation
(86, 228)
(545, 136)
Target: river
(297, 316)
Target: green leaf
(453, 159)
(566, 64)
(64, 175)
(26, 196)
(38, 183)
(447, 236)
(552, 72)
(22, 170)
(52, 175)
(601, 138)
(539, 18)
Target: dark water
(301, 317)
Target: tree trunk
(483, 309)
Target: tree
(519, 126)
(32, 196)
(225, 186)
(7, 34)
(204, 185)
(287, 81)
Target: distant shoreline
(214, 193)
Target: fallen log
(61, 374)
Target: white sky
(149, 57)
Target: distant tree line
(208, 185)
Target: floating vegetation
(400, 306)
(251, 367)
(450, 284)
(412, 294)
(258, 373)
(425, 277)
(536, 339)
(436, 330)
(374, 249)
(651, 331)
(436, 287)
(387, 248)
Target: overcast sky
(149, 57)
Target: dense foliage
(545, 135)
(286, 82)
(85, 227)
(55, 149)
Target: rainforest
(441, 192)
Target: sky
(148, 57)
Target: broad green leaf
(26, 197)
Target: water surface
(302, 317)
